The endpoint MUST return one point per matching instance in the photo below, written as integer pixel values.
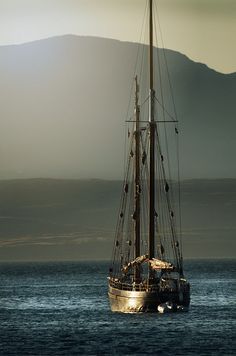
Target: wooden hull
(126, 301)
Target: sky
(204, 30)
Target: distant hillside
(64, 102)
(75, 219)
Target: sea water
(62, 309)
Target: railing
(162, 286)
(138, 287)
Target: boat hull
(126, 301)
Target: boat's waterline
(126, 301)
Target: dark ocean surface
(62, 309)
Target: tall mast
(137, 182)
(152, 141)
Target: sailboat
(146, 272)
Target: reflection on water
(62, 309)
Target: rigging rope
(165, 227)
(176, 117)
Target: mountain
(64, 101)
(51, 219)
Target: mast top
(150, 45)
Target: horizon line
(111, 179)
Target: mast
(137, 183)
(152, 141)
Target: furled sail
(135, 262)
(156, 264)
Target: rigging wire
(166, 111)
(165, 222)
(137, 57)
(162, 100)
(176, 116)
(140, 107)
(165, 133)
(133, 81)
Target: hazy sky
(202, 29)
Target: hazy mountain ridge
(73, 219)
(64, 102)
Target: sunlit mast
(152, 126)
(137, 187)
